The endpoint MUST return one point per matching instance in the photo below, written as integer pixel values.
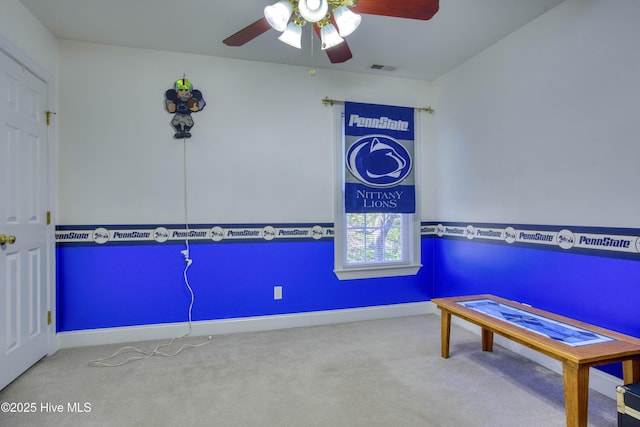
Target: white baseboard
(599, 381)
(245, 324)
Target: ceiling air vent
(383, 67)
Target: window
(371, 244)
(374, 238)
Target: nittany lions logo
(379, 161)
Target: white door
(23, 206)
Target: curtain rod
(328, 101)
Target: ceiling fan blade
(340, 53)
(411, 9)
(248, 33)
(337, 54)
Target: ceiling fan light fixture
(278, 14)
(313, 10)
(347, 21)
(330, 36)
(292, 35)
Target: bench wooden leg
(631, 371)
(487, 340)
(576, 394)
(445, 334)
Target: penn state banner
(379, 148)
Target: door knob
(7, 239)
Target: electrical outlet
(277, 292)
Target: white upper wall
(261, 150)
(539, 128)
(542, 127)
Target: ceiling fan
(289, 16)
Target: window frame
(411, 222)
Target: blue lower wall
(126, 285)
(588, 274)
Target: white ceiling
(419, 49)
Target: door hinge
(48, 114)
(49, 317)
(48, 217)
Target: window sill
(377, 271)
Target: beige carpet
(374, 373)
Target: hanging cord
(312, 71)
(186, 253)
(157, 350)
(185, 189)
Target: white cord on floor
(156, 351)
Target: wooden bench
(576, 361)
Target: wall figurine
(182, 101)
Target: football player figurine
(183, 101)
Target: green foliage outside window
(374, 238)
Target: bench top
(608, 347)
